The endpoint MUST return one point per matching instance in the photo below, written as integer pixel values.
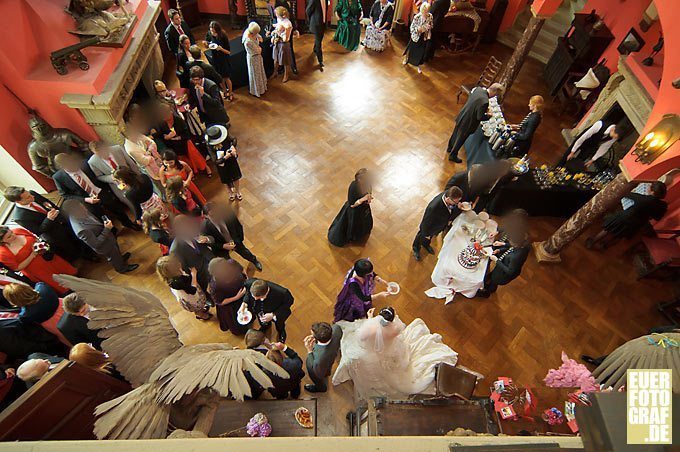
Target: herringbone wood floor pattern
(299, 148)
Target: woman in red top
(16, 252)
(174, 167)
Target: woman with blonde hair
(257, 77)
(421, 33)
(281, 36)
(524, 131)
(183, 286)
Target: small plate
(393, 288)
(465, 206)
(244, 318)
(212, 46)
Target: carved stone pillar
(522, 49)
(602, 202)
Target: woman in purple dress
(356, 296)
(227, 290)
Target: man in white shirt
(593, 144)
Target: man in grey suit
(323, 345)
(97, 235)
(105, 160)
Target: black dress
(352, 223)
(227, 314)
(627, 223)
(179, 147)
(228, 169)
(219, 60)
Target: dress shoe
(453, 158)
(416, 253)
(126, 256)
(295, 71)
(321, 66)
(589, 360)
(312, 388)
(429, 249)
(129, 268)
(258, 265)
(481, 293)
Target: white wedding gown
(392, 360)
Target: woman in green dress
(349, 14)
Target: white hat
(216, 134)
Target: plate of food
(244, 317)
(212, 46)
(393, 288)
(465, 206)
(304, 417)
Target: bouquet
(259, 425)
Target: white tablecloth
(449, 276)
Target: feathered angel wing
(135, 415)
(639, 354)
(136, 326)
(219, 367)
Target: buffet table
(232, 416)
(478, 149)
(525, 193)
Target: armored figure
(48, 142)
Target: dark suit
(74, 328)
(235, 229)
(436, 218)
(320, 360)
(461, 180)
(438, 10)
(208, 69)
(317, 25)
(284, 386)
(211, 107)
(197, 257)
(278, 302)
(100, 239)
(507, 268)
(109, 204)
(57, 232)
(172, 36)
(473, 112)
(19, 339)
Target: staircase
(553, 28)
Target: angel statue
(48, 142)
(174, 385)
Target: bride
(384, 357)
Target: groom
(270, 303)
(439, 214)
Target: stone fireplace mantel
(625, 89)
(142, 61)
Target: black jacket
(474, 111)
(213, 107)
(172, 36)
(462, 181)
(320, 360)
(74, 328)
(438, 11)
(197, 258)
(208, 69)
(525, 135)
(437, 216)
(315, 19)
(69, 189)
(234, 227)
(510, 266)
(19, 339)
(283, 386)
(278, 301)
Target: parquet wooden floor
(299, 148)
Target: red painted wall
(37, 28)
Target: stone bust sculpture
(48, 142)
(93, 19)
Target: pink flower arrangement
(259, 425)
(571, 375)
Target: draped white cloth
(390, 360)
(449, 277)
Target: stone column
(522, 49)
(601, 203)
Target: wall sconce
(658, 140)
